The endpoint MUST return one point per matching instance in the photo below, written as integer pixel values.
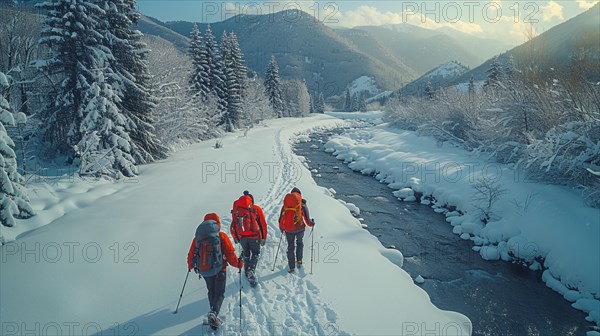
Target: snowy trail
(116, 265)
(282, 303)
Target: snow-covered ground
(547, 226)
(111, 258)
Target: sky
(505, 20)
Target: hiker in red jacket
(293, 220)
(215, 284)
(249, 228)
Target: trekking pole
(180, 295)
(312, 247)
(240, 276)
(277, 253)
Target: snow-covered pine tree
(320, 107)
(273, 88)
(355, 103)
(362, 103)
(13, 200)
(238, 62)
(215, 70)
(348, 101)
(494, 74)
(429, 92)
(233, 114)
(105, 146)
(204, 59)
(77, 34)
(195, 53)
(130, 64)
(69, 33)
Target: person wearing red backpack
(249, 228)
(293, 220)
(208, 256)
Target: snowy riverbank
(546, 226)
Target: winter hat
(213, 216)
(247, 193)
(296, 190)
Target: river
(499, 297)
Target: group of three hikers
(211, 249)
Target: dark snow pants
(216, 290)
(294, 240)
(251, 253)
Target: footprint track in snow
(282, 303)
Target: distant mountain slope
(306, 48)
(553, 47)
(482, 48)
(373, 47)
(152, 26)
(423, 49)
(440, 76)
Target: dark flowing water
(500, 298)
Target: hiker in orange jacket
(249, 228)
(216, 284)
(294, 225)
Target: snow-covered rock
(404, 193)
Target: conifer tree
(429, 92)
(13, 200)
(494, 74)
(273, 88)
(197, 78)
(233, 113)
(93, 83)
(348, 101)
(132, 81)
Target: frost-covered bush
(566, 155)
(544, 120)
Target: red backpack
(292, 211)
(244, 218)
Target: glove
(282, 231)
(195, 264)
(312, 221)
(263, 242)
(240, 263)
(236, 241)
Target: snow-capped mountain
(364, 84)
(553, 47)
(440, 76)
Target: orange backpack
(292, 211)
(244, 218)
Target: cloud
(585, 4)
(553, 10)
(367, 15)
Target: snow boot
(213, 320)
(252, 278)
